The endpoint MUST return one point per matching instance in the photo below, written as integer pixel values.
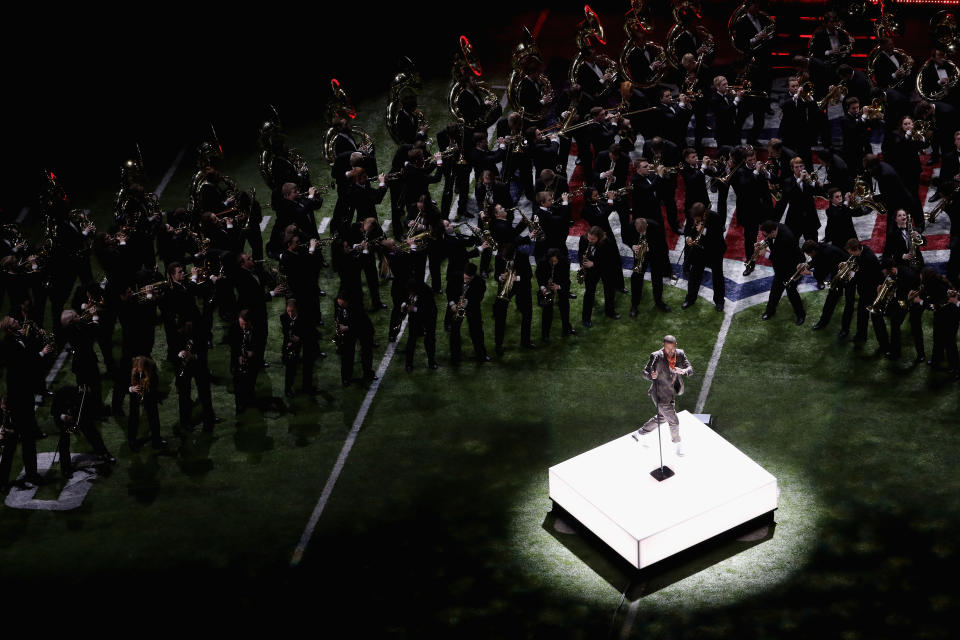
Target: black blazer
(725, 111)
(695, 186)
(785, 254)
(884, 69)
(658, 255)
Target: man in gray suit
(665, 369)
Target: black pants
(456, 177)
(368, 262)
(25, 434)
(92, 435)
(348, 354)
(561, 300)
(667, 193)
(244, 385)
(636, 284)
(397, 214)
(750, 230)
(306, 358)
(133, 420)
(945, 324)
(697, 265)
(776, 292)
(590, 296)
(436, 255)
(427, 328)
(485, 258)
(475, 324)
(849, 293)
(201, 374)
(524, 304)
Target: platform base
(612, 492)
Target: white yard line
(715, 358)
(264, 223)
(345, 450)
(323, 225)
(169, 174)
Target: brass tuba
(944, 32)
(524, 53)
(591, 29)
(907, 66)
(340, 106)
(465, 64)
(768, 30)
(937, 91)
(677, 30)
(637, 23)
(405, 83)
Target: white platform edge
(673, 539)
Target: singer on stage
(665, 369)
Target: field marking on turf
(631, 617)
(323, 225)
(23, 214)
(264, 223)
(715, 358)
(169, 174)
(345, 450)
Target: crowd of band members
(207, 269)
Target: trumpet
(835, 95)
(886, 293)
(587, 255)
(147, 292)
(931, 216)
(844, 273)
(875, 110)
(795, 278)
(640, 253)
(759, 249)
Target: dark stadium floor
(440, 523)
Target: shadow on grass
(622, 576)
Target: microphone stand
(662, 472)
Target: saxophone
(545, 298)
(246, 346)
(844, 274)
(886, 293)
(485, 235)
(533, 225)
(507, 286)
(339, 320)
(914, 241)
(186, 358)
(640, 252)
(587, 255)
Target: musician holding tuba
(752, 32)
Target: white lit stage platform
(611, 492)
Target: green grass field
(440, 523)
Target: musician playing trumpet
(468, 291)
(798, 191)
(705, 249)
(553, 278)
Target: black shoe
(821, 286)
(498, 350)
(545, 339)
(323, 294)
(266, 365)
(311, 391)
(749, 269)
(409, 368)
(159, 444)
(288, 392)
(530, 345)
(433, 365)
(484, 358)
(633, 312)
(587, 324)
(107, 458)
(843, 333)
(801, 319)
(766, 316)
(921, 357)
(719, 307)
(624, 291)
(858, 338)
(484, 275)
(322, 354)
(614, 316)
(677, 230)
(572, 295)
(663, 306)
(346, 383)
(819, 325)
(134, 446)
(687, 304)
(377, 306)
(569, 331)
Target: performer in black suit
(71, 415)
(253, 295)
(785, 256)
(753, 34)
(663, 153)
(694, 181)
(600, 259)
(942, 296)
(866, 280)
(901, 151)
(824, 260)
(753, 200)
(299, 210)
(829, 48)
(657, 258)
(856, 130)
(672, 117)
(421, 313)
(491, 191)
(456, 171)
(798, 122)
(481, 158)
(192, 363)
(508, 261)
(417, 176)
(725, 104)
(840, 217)
(144, 391)
(799, 189)
(471, 292)
(596, 211)
(899, 238)
(554, 220)
(23, 359)
(553, 277)
(898, 308)
(890, 189)
(705, 248)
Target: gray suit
(667, 385)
